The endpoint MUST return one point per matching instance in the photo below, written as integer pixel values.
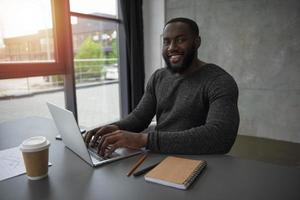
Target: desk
(225, 177)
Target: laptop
(72, 138)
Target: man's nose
(172, 46)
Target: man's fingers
(88, 136)
(100, 133)
(117, 132)
(92, 136)
(119, 138)
(111, 149)
(96, 137)
(100, 142)
(106, 141)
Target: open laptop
(72, 138)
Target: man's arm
(125, 133)
(217, 135)
(140, 118)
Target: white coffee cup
(35, 152)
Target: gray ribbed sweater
(196, 113)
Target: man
(195, 103)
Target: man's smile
(175, 58)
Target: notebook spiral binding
(195, 173)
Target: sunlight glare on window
(96, 7)
(26, 33)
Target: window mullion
(65, 50)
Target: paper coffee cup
(35, 156)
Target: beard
(184, 65)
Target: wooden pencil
(137, 164)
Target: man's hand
(120, 138)
(92, 137)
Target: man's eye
(166, 42)
(179, 40)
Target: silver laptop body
(72, 138)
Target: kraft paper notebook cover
(176, 172)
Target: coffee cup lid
(36, 143)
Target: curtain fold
(132, 14)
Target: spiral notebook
(176, 172)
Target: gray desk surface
(225, 177)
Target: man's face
(179, 47)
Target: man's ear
(198, 41)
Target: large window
(96, 60)
(46, 46)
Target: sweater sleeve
(141, 116)
(217, 135)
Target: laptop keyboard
(94, 153)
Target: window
(39, 53)
(100, 7)
(26, 35)
(27, 42)
(95, 47)
(27, 97)
(28, 48)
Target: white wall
(154, 19)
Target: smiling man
(195, 103)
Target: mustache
(175, 53)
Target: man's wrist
(144, 139)
(115, 126)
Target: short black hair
(193, 25)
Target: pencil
(137, 164)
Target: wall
(154, 18)
(258, 42)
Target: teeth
(175, 58)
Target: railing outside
(87, 71)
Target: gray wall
(154, 20)
(258, 42)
